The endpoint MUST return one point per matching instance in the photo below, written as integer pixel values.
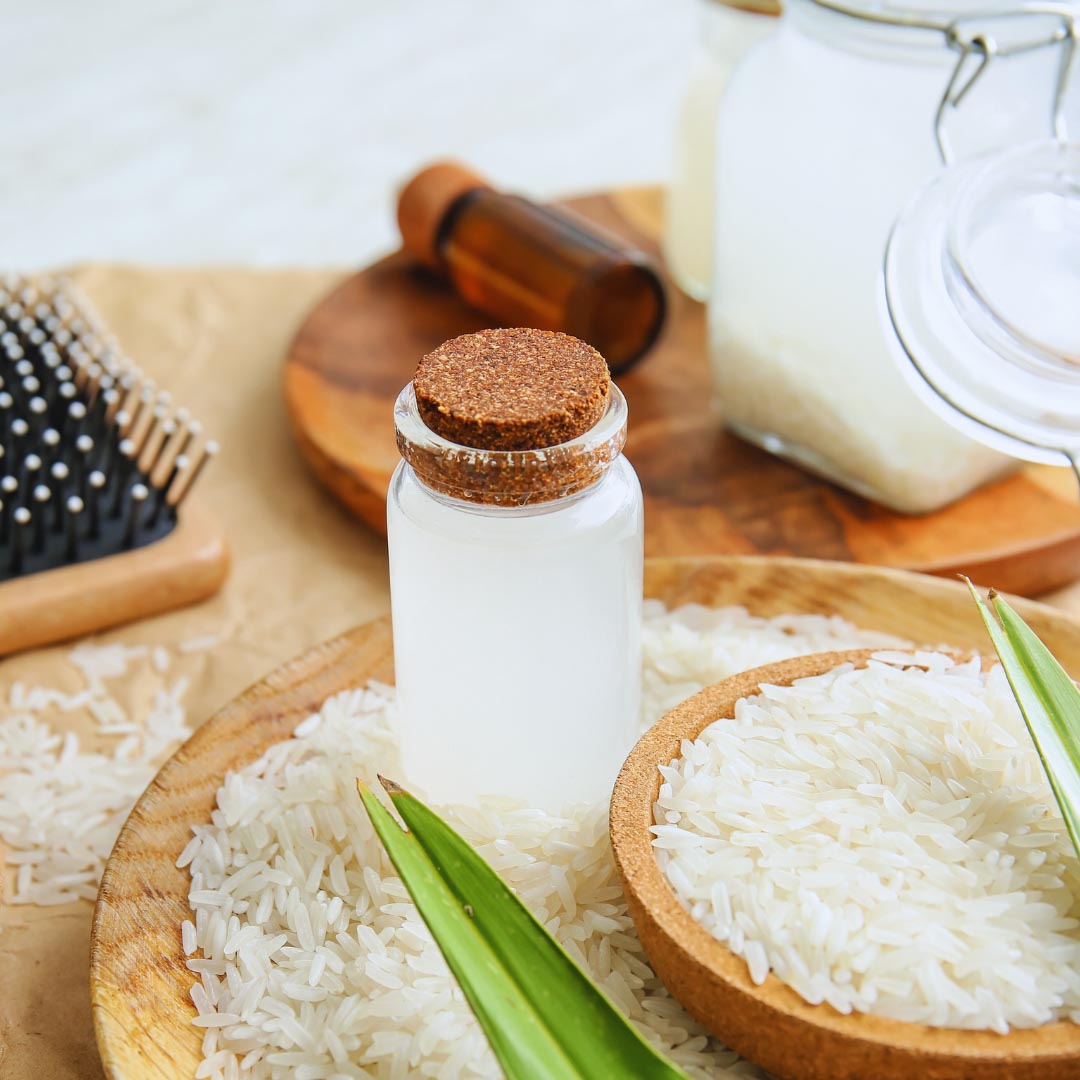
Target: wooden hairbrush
(96, 469)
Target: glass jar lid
(982, 289)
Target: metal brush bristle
(94, 458)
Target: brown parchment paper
(302, 572)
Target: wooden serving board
(139, 982)
(706, 492)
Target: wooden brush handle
(188, 565)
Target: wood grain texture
(139, 983)
(706, 492)
(771, 1024)
(184, 567)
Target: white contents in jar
(820, 148)
(517, 642)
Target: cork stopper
(512, 389)
(425, 201)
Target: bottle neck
(717, 17)
(509, 479)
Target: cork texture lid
(512, 389)
(424, 202)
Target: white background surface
(274, 133)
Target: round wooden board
(139, 982)
(771, 1024)
(706, 492)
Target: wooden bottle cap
(424, 202)
(756, 7)
(512, 389)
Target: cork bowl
(770, 1024)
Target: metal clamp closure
(981, 39)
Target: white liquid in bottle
(517, 629)
(517, 642)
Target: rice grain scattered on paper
(62, 804)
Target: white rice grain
(885, 840)
(348, 981)
(61, 804)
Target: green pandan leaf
(1049, 701)
(544, 1017)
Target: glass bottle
(532, 265)
(516, 585)
(727, 30)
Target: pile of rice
(63, 803)
(884, 840)
(312, 961)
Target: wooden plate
(771, 1024)
(139, 984)
(706, 492)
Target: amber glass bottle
(531, 265)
